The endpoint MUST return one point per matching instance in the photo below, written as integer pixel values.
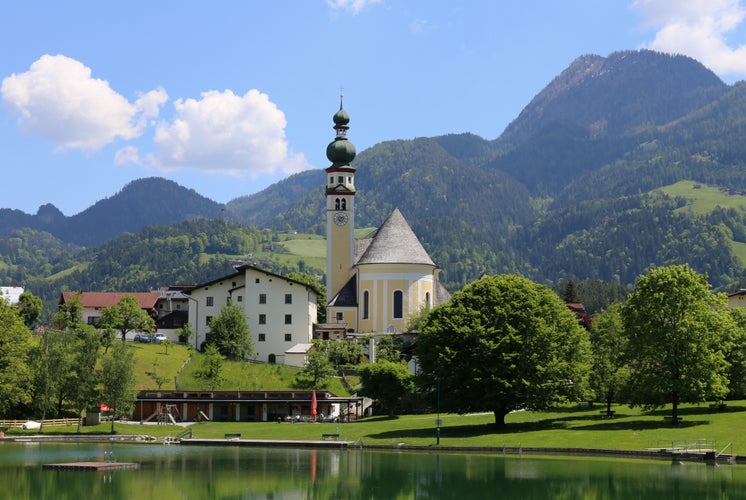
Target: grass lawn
(567, 427)
(165, 360)
(236, 374)
(249, 377)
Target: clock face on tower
(340, 218)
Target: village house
(169, 307)
(280, 312)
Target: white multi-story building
(280, 312)
(11, 293)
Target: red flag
(314, 405)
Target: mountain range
(571, 189)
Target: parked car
(142, 337)
(159, 338)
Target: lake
(197, 472)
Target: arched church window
(427, 301)
(336, 204)
(366, 304)
(398, 304)
(344, 204)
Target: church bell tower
(340, 206)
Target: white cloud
(127, 155)
(354, 7)
(58, 100)
(226, 133)
(697, 28)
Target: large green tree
(211, 368)
(386, 382)
(675, 324)
(608, 345)
(389, 348)
(69, 315)
(501, 344)
(87, 376)
(118, 380)
(15, 374)
(229, 333)
(52, 361)
(126, 316)
(317, 370)
(29, 305)
(734, 348)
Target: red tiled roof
(147, 300)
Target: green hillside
(176, 362)
(703, 199)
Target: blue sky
(229, 97)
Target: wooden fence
(51, 422)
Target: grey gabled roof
(347, 296)
(394, 243)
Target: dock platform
(93, 466)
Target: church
(374, 283)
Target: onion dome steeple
(341, 151)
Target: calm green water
(174, 472)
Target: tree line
(505, 343)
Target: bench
(669, 419)
(585, 404)
(233, 436)
(330, 437)
(718, 406)
(609, 413)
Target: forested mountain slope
(139, 203)
(568, 191)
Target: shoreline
(704, 456)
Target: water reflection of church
(243, 406)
